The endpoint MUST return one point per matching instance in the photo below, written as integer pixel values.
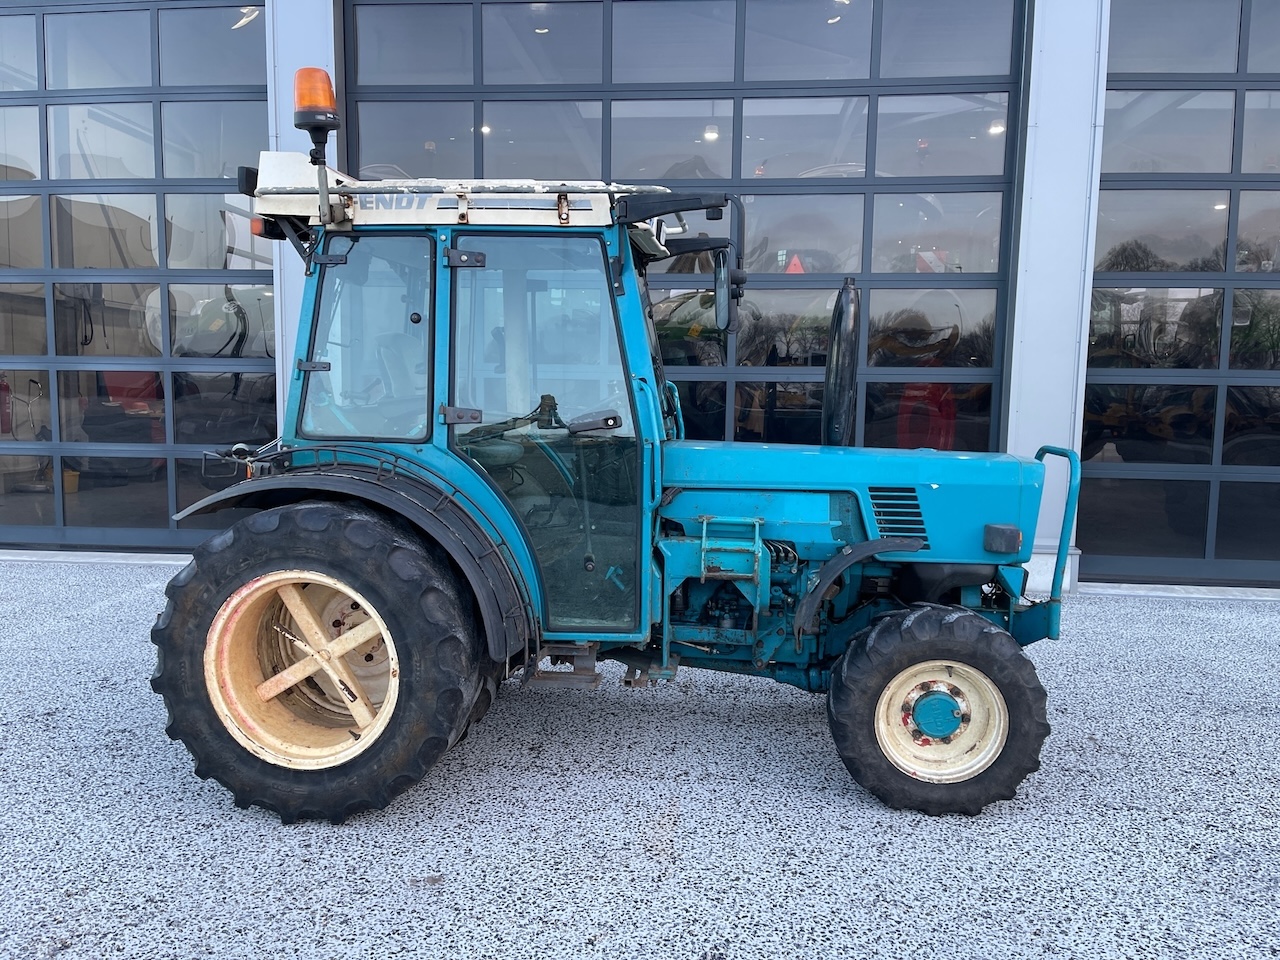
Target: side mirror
(726, 291)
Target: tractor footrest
(581, 658)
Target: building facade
(1062, 218)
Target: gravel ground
(708, 818)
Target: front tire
(316, 660)
(937, 709)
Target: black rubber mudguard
(508, 621)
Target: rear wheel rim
(908, 711)
(301, 670)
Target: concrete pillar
(300, 33)
(1053, 278)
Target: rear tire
(316, 660)
(937, 709)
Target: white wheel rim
(983, 724)
(301, 670)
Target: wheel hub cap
(937, 714)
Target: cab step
(584, 671)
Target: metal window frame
(737, 90)
(59, 534)
(1209, 568)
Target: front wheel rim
(910, 710)
(301, 669)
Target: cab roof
(287, 187)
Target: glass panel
(111, 406)
(212, 233)
(785, 328)
(1153, 518)
(699, 226)
(370, 331)
(403, 140)
(22, 319)
(804, 234)
(223, 46)
(702, 407)
(101, 141)
(1152, 231)
(419, 44)
(1155, 328)
(222, 320)
(1259, 232)
(1174, 36)
(936, 233)
(543, 42)
(212, 139)
(536, 349)
(19, 143)
(672, 41)
(931, 328)
(107, 319)
(558, 140)
(26, 489)
(1251, 436)
(116, 492)
(805, 137)
(224, 408)
(941, 136)
(672, 139)
(1264, 37)
(1255, 330)
(941, 416)
(778, 412)
(27, 416)
(17, 53)
(808, 40)
(1147, 423)
(1260, 152)
(1248, 521)
(111, 231)
(21, 233)
(923, 38)
(684, 321)
(97, 50)
(1168, 131)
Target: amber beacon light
(315, 109)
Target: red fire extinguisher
(6, 405)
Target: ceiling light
(541, 29)
(247, 15)
(996, 128)
(712, 132)
(1219, 206)
(485, 129)
(833, 20)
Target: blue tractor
(483, 472)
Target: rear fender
(500, 592)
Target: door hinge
(314, 366)
(460, 414)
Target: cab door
(540, 406)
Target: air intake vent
(897, 513)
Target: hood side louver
(896, 511)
